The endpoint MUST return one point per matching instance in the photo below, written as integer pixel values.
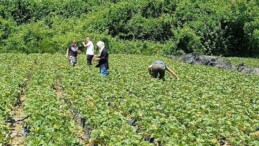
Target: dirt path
(17, 122)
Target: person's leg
(162, 74)
(71, 60)
(86, 57)
(90, 59)
(155, 70)
(104, 71)
(154, 74)
(74, 60)
(161, 70)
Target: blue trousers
(103, 70)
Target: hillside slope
(206, 106)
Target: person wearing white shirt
(88, 44)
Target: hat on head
(100, 44)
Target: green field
(207, 106)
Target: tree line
(171, 27)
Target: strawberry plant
(207, 106)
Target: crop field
(45, 101)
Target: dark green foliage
(228, 28)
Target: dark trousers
(159, 69)
(89, 59)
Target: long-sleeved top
(104, 59)
(72, 50)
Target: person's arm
(84, 45)
(103, 56)
(172, 73)
(96, 58)
(67, 53)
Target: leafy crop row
(13, 69)
(50, 122)
(207, 106)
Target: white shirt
(90, 48)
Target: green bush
(228, 28)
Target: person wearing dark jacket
(103, 59)
(72, 52)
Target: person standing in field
(88, 44)
(72, 52)
(158, 68)
(103, 59)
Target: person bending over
(158, 68)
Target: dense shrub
(229, 28)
